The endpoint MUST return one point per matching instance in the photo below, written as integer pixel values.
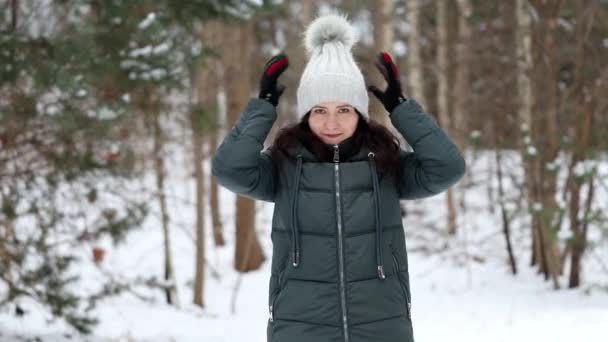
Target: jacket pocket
(404, 286)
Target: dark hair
(371, 134)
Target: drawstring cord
(378, 217)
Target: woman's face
(333, 121)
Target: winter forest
(112, 227)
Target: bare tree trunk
(298, 14)
(7, 238)
(384, 35)
(414, 56)
(14, 14)
(463, 70)
(551, 149)
(524, 62)
(579, 243)
(544, 132)
(525, 102)
(248, 252)
(443, 84)
(506, 221)
(199, 271)
(585, 107)
(159, 170)
(208, 94)
(203, 102)
(216, 220)
(459, 124)
(443, 96)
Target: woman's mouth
(332, 135)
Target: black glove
(269, 90)
(392, 96)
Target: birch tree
(443, 96)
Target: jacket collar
(347, 148)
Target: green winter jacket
(339, 266)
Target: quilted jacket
(339, 265)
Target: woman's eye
(319, 111)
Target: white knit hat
(331, 73)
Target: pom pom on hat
(330, 29)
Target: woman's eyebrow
(340, 106)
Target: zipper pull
(336, 154)
(271, 317)
(381, 273)
(409, 310)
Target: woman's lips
(332, 135)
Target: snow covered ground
(463, 291)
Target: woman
(339, 265)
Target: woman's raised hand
(269, 90)
(392, 96)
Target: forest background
(111, 110)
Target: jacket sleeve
(435, 164)
(239, 164)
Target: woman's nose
(331, 123)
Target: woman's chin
(330, 140)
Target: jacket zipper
(407, 298)
(271, 305)
(276, 294)
(340, 247)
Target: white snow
(161, 48)
(585, 167)
(551, 166)
(145, 51)
(156, 74)
(144, 24)
(462, 288)
(400, 48)
(102, 113)
(81, 92)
